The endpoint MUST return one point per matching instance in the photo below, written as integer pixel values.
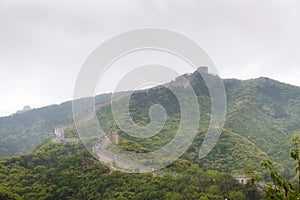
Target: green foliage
(262, 110)
(6, 195)
(233, 153)
(266, 112)
(23, 132)
(281, 188)
(262, 114)
(67, 171)
(71, 132)
(237, 195)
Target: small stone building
(242, 178)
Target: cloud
(44, 43)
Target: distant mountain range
(24, 131)
(262, 115)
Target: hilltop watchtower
(203, 69)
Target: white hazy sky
(44, 43)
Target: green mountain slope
(232, 153)
(266, 112)
(262, 112)
(262, 115)
(22, 132)
(68, 171)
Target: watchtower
(241, 178)
(203, 69)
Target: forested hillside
(22, 132)
(266, 112)
(262, 115)
(68, 171)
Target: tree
(236, 195)
(6, 195)
(281, 188)
(294, 152)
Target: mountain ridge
(262, 115)
(247, 101)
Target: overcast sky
(44, 43)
